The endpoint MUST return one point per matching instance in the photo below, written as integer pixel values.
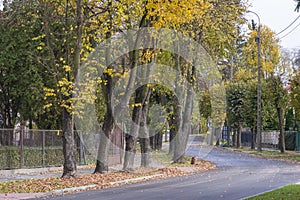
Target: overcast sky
(277, 15)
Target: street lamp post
(259, 126)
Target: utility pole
(259, 118)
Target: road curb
(135, 179)
(73, 189)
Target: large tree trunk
(70, 168)
(281, 129)
(239, 135)
(108, 124)
(131, 138)
(172, 134)
(103, 149)
(144, 135)
(69, 146)
(139, 117)
(234, 138)
(178, 156)
(140, 110)
(184, 121)
(228, 134)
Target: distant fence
(24, 148)
(270, 139)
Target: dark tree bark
(172, 134)
(69, 147)
(281, 130)
(252, 138)
(280, 96)
(131, 138)
(144, 135)
(139, 123)
(103, 149)
(239, 135)
(183, 123)
(107, 89)
(140, 110)
(107, 128)
(234, 139)
(70, 168)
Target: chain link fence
(25, 148)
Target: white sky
(277, 15)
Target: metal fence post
(297, 143)
(21, 146)
(43, 148)
(80, 150)
(9, 148)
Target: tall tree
(280, 99)
(61, 35)
(236, 107)
(21, 77)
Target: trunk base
(101, 168)
(69, 174)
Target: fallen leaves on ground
(101, 180)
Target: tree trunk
(172, 134)
(108, 124)
(107, 89)
(131, 138)
(228, 135)
(281, 129)
(159, 140)
(103, 149)
(234, 139)
(69, 146)
(70, 168)
(184, 123)
(239, 136)
(144, 135)
(252, 138)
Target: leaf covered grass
(165, 159)
(289, 156)
(106, 180)
(290, 192)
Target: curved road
(238, 176)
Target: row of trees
(279, 70)
(46, 43)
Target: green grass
(272, 152)
(293, 158)
(165, 159)
(287, 156)
(275, 152)
(290, 192)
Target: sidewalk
(36, 173)
(16, 196)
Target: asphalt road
(238, 176)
